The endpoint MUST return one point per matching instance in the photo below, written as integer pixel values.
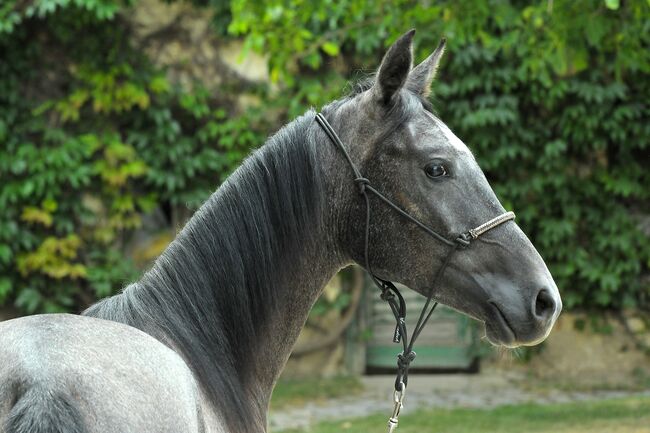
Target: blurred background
(119, 117)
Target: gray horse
(197, 344)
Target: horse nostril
(544, 305)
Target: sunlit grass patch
(628, 415)
(294, 392)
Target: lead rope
(389, 292)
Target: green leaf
(29, 299)
(5, 289)
(5, 253)
(330, 48)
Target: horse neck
(321, 257)
(233, 290)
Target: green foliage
(93, 136)
(554, 107)
(14, 12)
(572, 154)
(83, 159)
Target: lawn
(626, 415)
(296, 392)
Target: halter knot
(387, 295)
(361, 184)
(403, 361)
(463, 240)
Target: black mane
(213, 290)
(217, 281)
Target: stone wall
(179, 37)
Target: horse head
(408, 154)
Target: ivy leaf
(5, 253)
(29, 299)
(330, 48)
(5, 288)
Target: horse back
(74, 374)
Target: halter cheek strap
(389, 292)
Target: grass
(292, 393)
(626, 415)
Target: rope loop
(361, 184)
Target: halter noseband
(389, 292)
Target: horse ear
(422, 75)
(394, 68)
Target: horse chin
(498, 330)
(500, 337)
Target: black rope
(389, 292)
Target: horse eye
(435, 169)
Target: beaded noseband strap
(478, 231)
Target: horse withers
(197, 344)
